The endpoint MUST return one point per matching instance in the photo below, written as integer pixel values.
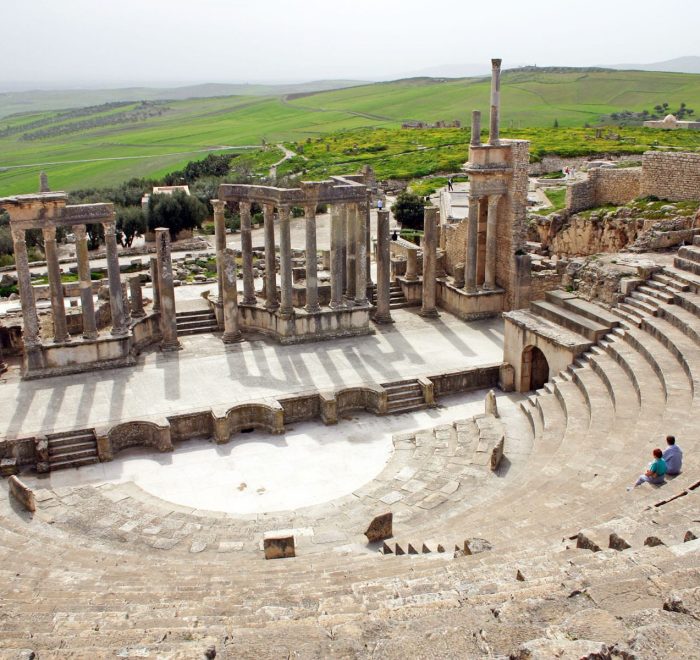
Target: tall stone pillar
(428, 307)
(270, 276)
(491, 241)
(30, 318)
(220, 241)
(168, 319)
(336, 256)
(343, 243)
(361, 255)
(351, 251)
(116, 297)
(86, 300)
(286, 308)
(155, 282)
(58, 309)
(476, 129)
(137, 310)
(383, 314)
(412, 265)
(311, 259)
(494, 129)
(247, 254)
(232, 333)
(472, 237)
(368, 238)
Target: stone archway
(534, 372)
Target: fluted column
(232, 333)
(58, 309)
(471, 252)
(383, 314)
(137, 311)
(429, 292)
(351, 250)
(86, 300)
(247, 254)
(116, 297)
(491, 224)
(270, 275)
(361, 255)
(155, 283)
(311, 259)
(30, 318)
(286, 308)
(220, 242)
(336, 256)
(168, 317)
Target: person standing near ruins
(655, 473)
(449, 184)
(673, 455)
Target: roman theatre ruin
(347, 444)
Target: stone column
(311, 259)
(247, 254)
(494, 129)
(336, 256)
(168, 319)
(476, 129)
(220, 241)
(491, 241)
(368, 238)
(58, 309)
(232, 333)
(361, 255)
(351, 251)
(137, 311)
(127, 308)
(116, 298)
(428, 307)
(472, 230)
(270, 276)
(155, 282)
(343, 243)
(383, 314)
(31, 337)
(286, 308)
(411, 265)
(86, 300)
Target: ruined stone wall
(604, 186)
(542, 282)
(455, 245)
(580, 196)
(671, 176)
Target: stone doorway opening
(535, 369)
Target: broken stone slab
(22, 493)
(490, 404)
(278, 547)
(8, 466)
(380, 528)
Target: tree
(556, 123)
(408, 210)
(131, 222)
(176, 212)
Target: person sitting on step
(673, 455)
(655, 473)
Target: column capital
(110, 227)
(284, 211)
(310, 210)
(49, 232)
(244, 207)
(80, 232)
(218, 205)
(18, 235)
(268, 207)
(494, 199)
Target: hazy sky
(108, 42)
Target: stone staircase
(396, 298)
(73, 449)
(196, 322)
(404, 396)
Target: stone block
(380, 528)
(506, 377)
(8, 467)
(278, 547)
(22, 493)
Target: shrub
(176, 212)
(408, 210)
(131, 222)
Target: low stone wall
(671, 176)
(21, 450)
(455, 245)
(301, 407)
(465, 380)
(145, 331)
(134, 434)
(372, 398)
(542, 282)
(469, 307)
(266, 417)
(604, 186)
(198, 424)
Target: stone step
(73, 449)
(625, 312)
(642, 302)
(193, 314)
(685, 321)
(407, 408)
(652, 291)
(690, 253)
(59, 440)
(75, 455)
(592, 330)
(687, 265)
(668, 281)
(73, 462)
(583, 307)
(689, 301)
(683, 277)
(398, 395)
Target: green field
(185, 129)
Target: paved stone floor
(207, 374)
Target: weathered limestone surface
(168, 322)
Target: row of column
(32, 339)
(349, 256)
(470, 268)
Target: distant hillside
(40, 100)
(689, 64)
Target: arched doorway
(534, 370)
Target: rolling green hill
(103, 145)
